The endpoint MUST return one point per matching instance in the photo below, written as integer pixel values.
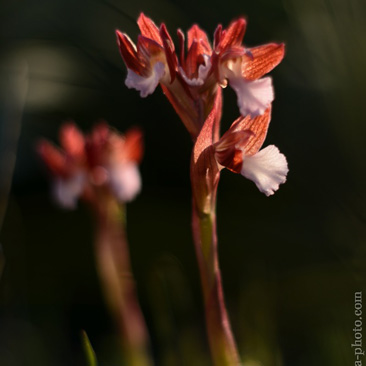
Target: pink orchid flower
(237, 150)
(101, 161)
(190, 81)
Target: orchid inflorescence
(192, 81)
(102, 161)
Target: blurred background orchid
(102, 159)
(289, 278)
(101, 168)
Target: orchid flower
(102, 160)
(193, 84)
(101, 168)
(239, 151)
(190, 81)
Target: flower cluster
(100, 162)
(192, 83)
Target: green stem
(114, 268)
(221, 340)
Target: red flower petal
(95, 143)
(208, 134)
(128, 52)
(53, 158)
(233, 35)
(149, 29)
(193, 60)
(146, 48)
(133, 146)
(198, 46)
(72, 140)
(261, 60)
(228, 150)
(181, 46)
(169, 48)
(205, 172)
(195, 33)
(217, 36)
(257, 126)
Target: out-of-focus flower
(190, 81)
(102, 162)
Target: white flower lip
(203, 71)
(125, 181)
(254, 97)
(67, 191)
(267, 169)
(145, 85)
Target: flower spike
(101, 161)
(193, 84)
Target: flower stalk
(220, 336)
(113, 263)
(205, 175)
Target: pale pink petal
(145, 85)
(267, 169)
(66, 191)
(254, 97)
(125, 181)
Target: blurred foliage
(88, 349)
(291, 263)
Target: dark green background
(291, 263)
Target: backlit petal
(196, 34)
(128, 52)
(169, 49)
(229, 149)
(149, 29)
(259, 61)
(234, 34)
(267, 169)
(133, 145)
(72, 140)
(257, 126)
